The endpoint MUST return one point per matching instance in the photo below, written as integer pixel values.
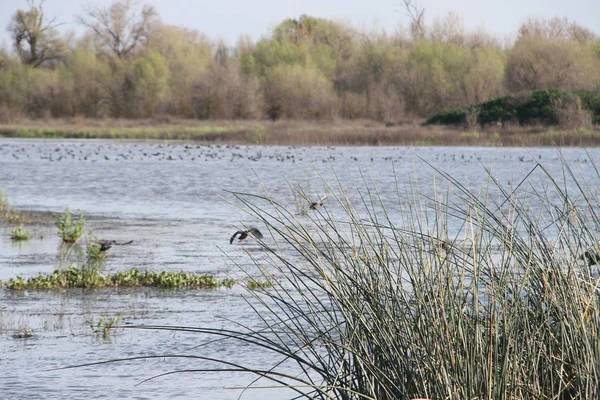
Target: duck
(591, 256)
(106, 245)
(317, 204)
(246, 234)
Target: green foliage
(524, 107)
(292, 91)
(92, 278)
(20, 234)
(68, 229)
(255, 284)
(163, 69)
(150, 80)
(105, 325)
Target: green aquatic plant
(105, 325)
(92, 278)
(229, 282)
(68, 229)
(257, 284)
(20, 234)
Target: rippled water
(172, 200)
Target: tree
(120, 28)
(36, 40)
(417, 18)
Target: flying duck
(105, 245)
(317, 204)
(245, 234)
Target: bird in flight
(245, 234)
(105, 245)
(317, 204)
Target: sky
(228, 19)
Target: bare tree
(417, 18)
(121, 27)
(36, 41)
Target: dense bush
(538, 106)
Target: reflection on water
(171, 200)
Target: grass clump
(20, 234)
(70, 230)
(92, 278)
(105, 325)
(468, 294)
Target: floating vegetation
(20, 234)
(254, 284)
(228, 282)
(92, 278)
(68, 229)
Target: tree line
(129, 64)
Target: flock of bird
(114, 152)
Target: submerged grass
(460, 295)
(92, 278)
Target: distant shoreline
(300, 133)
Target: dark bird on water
(105, 245)
(317, 204)
(245, 234)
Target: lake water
(173, 201)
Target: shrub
(296, 92)
(538, 106)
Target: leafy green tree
(150, 82)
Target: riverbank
(305, 133)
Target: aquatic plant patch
(91, 278)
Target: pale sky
(228, 19)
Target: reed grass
(465, 294)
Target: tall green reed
(460, 295)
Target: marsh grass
(20, 234)
(295, 132)
(105, 326)
(70, 230)
(467, 294)
(93, 278)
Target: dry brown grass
(296, 132)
